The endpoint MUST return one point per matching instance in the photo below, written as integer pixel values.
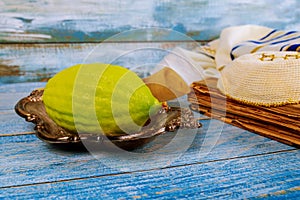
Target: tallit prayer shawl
(256, 85)
(273, 41)
(254, 64)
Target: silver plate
(32, 109)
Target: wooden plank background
(230, 164)
(96, 20)
(40, 38)
(37, 62)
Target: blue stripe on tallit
(282, 41)
(281, 49)
(294, 47)
(273, 31)
(276, 38)
(231, 54)
(281, 36)
(205, 54)
(276, 41)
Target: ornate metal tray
(167, 120)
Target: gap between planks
(105, 41)
(16, 134)
(148, 170)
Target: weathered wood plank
(10, 94)
(24, 159)
(8, 101)
(19, 89)
(96, 20)
(271, 175)
(37, 62)
(230, 164)
(11, 123)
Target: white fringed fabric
(254, 64)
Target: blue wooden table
(217, 161)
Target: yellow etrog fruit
(99, 98)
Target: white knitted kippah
(270, 78)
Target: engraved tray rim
(32, 109)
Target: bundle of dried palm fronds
(280, 123)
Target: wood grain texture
(10, 94)
(218, 161)
(38, 62)
(221, 161)
(31, 161)
(250, 177)
(12, 124)
(96, 20)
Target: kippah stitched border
(270, 78)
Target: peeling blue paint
(98, 20)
